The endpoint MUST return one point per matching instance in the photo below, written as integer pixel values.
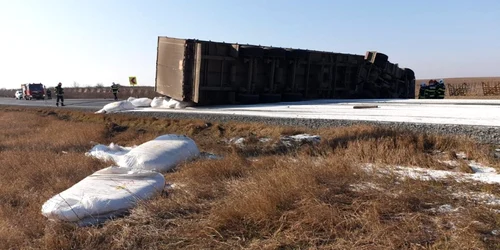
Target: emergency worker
(59, 94)
(115, 90)
(421, 92)
(430, 91)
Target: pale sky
(101, 41)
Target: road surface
(448, 111)
(73, 103)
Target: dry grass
(261, 196)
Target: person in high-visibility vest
(115, 90)
(430, 91)
(421, 91)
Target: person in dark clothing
(60, 94)
(441, 89)
(115, 90)
(430, 90)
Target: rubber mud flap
(292, 97)
(270, 98)
(248, 99)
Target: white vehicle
(19, 95)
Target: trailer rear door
(170, 65)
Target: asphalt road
(73, 103)
(99, 103)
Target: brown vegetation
(262, 195)
(474, 87)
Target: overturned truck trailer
(208, 73)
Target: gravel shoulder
(483, 134)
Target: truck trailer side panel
(206, 72)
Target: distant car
(19, 95)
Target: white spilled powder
(481, 173)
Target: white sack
(174, 104)
(130, 99)
(170, 104)
(161, 154)
(141, 102)
(182, 105)
(116, 107)
(105, 194)
(157, 102)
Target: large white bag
(161, 154)
(174, 104)
(141, 102)
(108, 153)
(116, 107)
(105, 194)
(157, 102)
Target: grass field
(260, 196)
(474, 87)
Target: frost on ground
(292, 140)
(480, 174)
(482, 197)
(207, 155)
(287, 141)
(446, 208)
